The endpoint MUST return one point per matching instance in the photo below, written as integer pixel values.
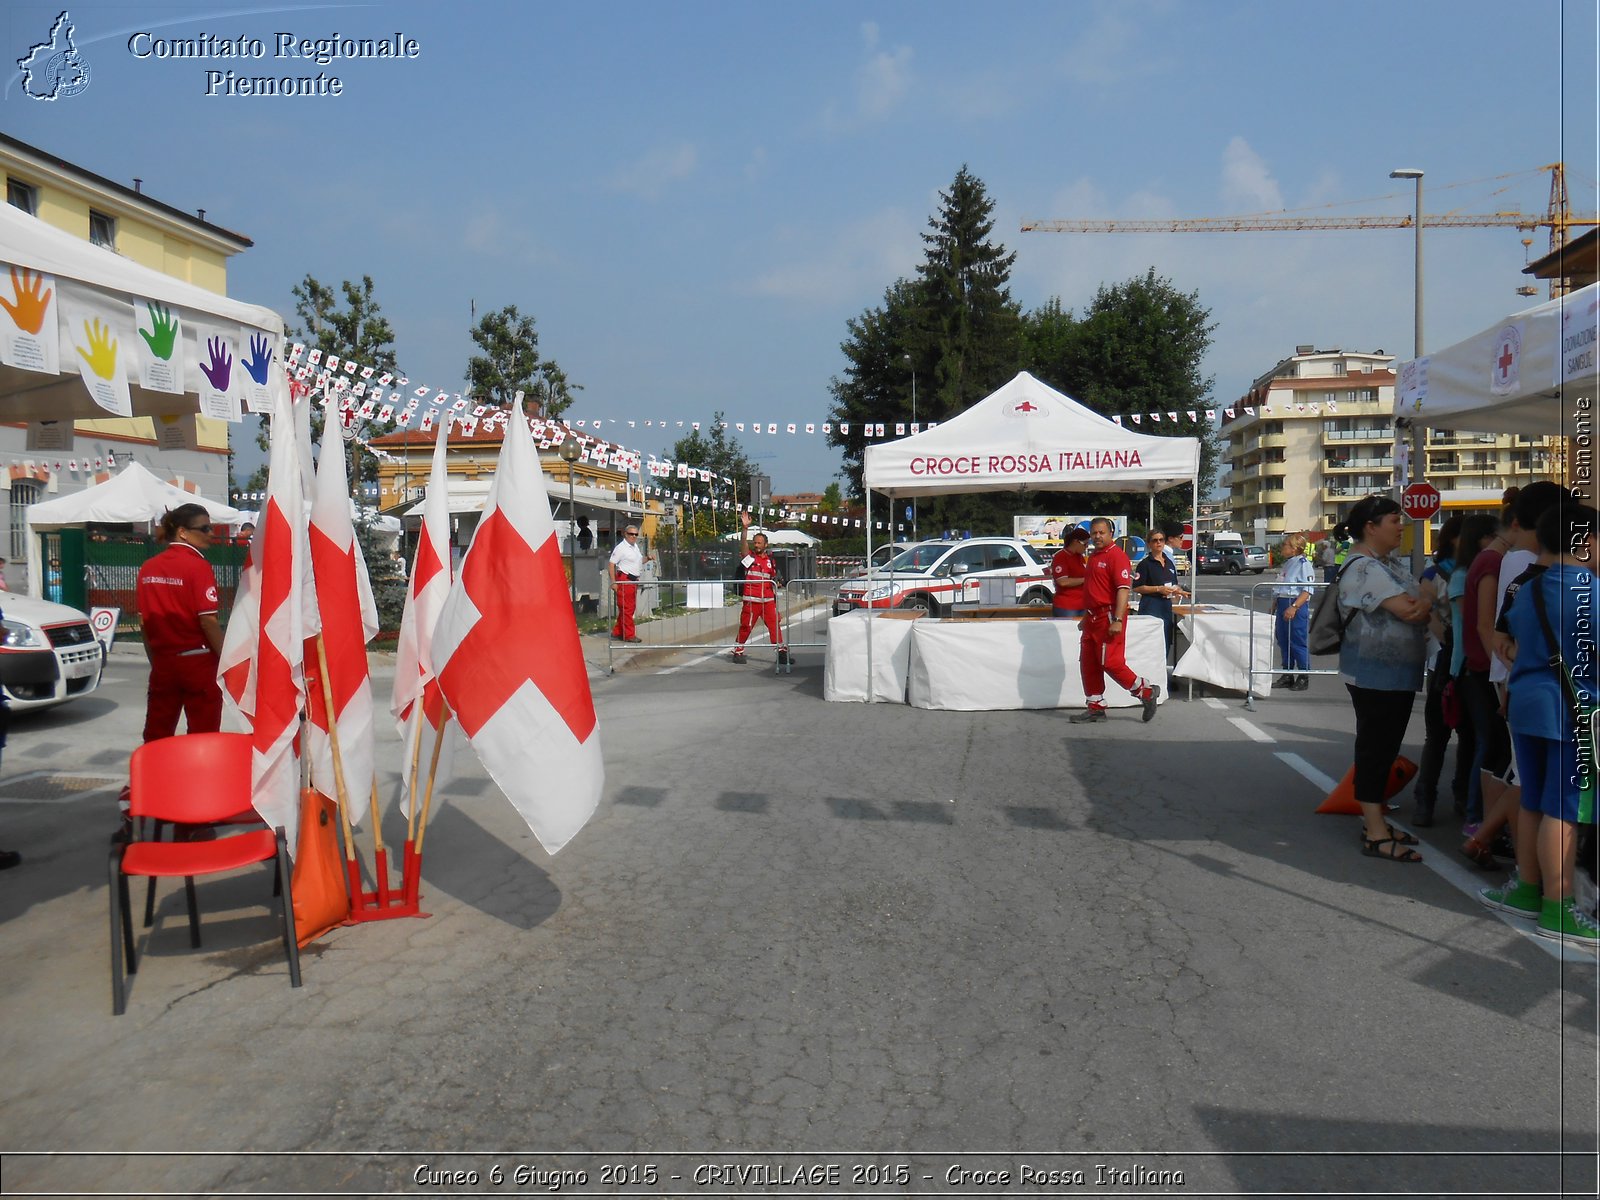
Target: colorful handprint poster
(98, 339)
(257, 369)
(159, 347)
(29, 336)
(217, 385)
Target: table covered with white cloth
(977, 665)
(1219, 651)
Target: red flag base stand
(384, 904)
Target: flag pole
(433, 766)
(357, 896)
(416, 767)
(380, 853)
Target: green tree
(832, 499)
(510, 363)
(1136, 349)
(357, 330)
(714, 449)
(954, 329)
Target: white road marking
(1253, 732)
(1213, 702)
(1326, 782)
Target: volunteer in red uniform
(1068, 569)
(1103, 643)
(760, 592)
(182, 636)
(626, 565)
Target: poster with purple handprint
(219, 369)
(257, 366)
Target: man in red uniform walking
(177, 595)
(760, 592)
(1103, 642)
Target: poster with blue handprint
(159, 346)
(257, 367)
(218, 383)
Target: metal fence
(1266, 619)
(704, 614)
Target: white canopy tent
(1028, 435)
(87, 283)
(777, 537)
(133, 495)
(1522, 375)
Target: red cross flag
(261, 669)
(349, 620)
(414, 675)
(510, 663)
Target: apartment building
(1316, 433)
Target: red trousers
(185, 684)
(627, 601)
(765, 610)
(1102, 653)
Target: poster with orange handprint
(99, 343)
(29, 337)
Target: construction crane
(1558, 218)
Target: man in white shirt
(626, 565)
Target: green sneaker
(1515, 897)
(1564, 922)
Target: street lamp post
(907, 358)
(570, 450)
(1419, 460)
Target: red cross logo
(526, 633)
(1027, 406)
(1505, 360)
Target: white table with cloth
(977, 665)
(1218, 652)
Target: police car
(932, 576)
(48, 653)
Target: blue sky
(693, 199)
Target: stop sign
(1420, 501)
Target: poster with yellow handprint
(29, 336)
(99, 340)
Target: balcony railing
(1359, 464)
(1375, 433)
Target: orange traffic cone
(1342, 800)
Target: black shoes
(1151, 699)
(1094, 712)
(1286, 682)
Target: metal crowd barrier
(703, 614)
(1271, 621)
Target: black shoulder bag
(1326, 631)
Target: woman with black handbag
(1554, 686)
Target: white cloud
(852, 265)
(882, 83)
(493, 233)
(1247, 184)
(658, 169)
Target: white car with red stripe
(933, 576)
(48, 653)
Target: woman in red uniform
(182, 636)
(760, 592)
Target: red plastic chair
(192, 779)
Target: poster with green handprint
(30, 337)
(99, 338)
(159, 346)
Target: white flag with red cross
(262, 666)
(416, 702)
(349, 619)
(509, 660)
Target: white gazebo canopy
(1522, 375)
(777, 537)
(133, 494)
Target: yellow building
(147, 231)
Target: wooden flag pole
(380, 853)
(416, 767)
(357, 898)
(433, 768)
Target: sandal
(1397, 850)
(1480, 854)
(1400, 835)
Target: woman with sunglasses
(1155, 582)
(177, 596)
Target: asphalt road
(930, 951)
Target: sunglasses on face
(198, 528)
